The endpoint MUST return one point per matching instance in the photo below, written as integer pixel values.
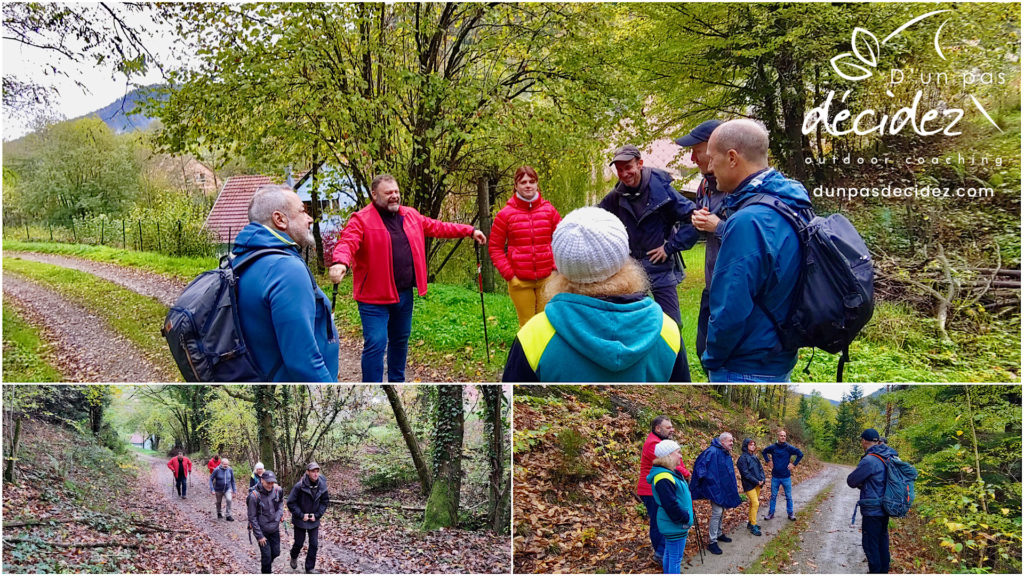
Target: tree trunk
(443, 504)
(498, 505)
(410, 438)
(974, 443)
(314, 211)
(12, 452)
(264, 395)
(888, 409)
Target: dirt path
(200, 509)
(745, 548)
(84, 347)
(831, 544)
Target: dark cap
(625, 154)
(269, 477)
(702, 133)
(313, 466)
(871, 435)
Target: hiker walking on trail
(384, 245)
(778, 455)
(714, 479)
(600, 325)
(222, 486)
(752, 478)
(758, 266)
(308, 502)
(661, 429)
(265, 505)
(181, 468)
(525, 225)
(285, 317)
(709, 219)
(675, 508)
(213, 463)
(257, 472)
(869, 477)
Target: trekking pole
(700, 540)
(334, 299)
(483, 310)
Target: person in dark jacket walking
(181, 469)
(222, 486)
(600, 325)
(265, 505)
(661, 429)
(752, 478)
(778, 455)
(284, 316)
(675, 508)
(709, 219)
(308, 502)
(257, 473)
(759, 263)
(657, 218)
(869, 477)
(714, 479)
(520, 243)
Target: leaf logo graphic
(865, 48)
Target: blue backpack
(898, 495)
(203, 329)
(834, 296)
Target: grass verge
(24, 352)
(778, 551)
(182, 267)
(136, 317)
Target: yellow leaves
(954, 526)
(959, 432)
(1004, 511)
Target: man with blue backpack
(886, 490)
(784, 278)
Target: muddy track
(831, 544)
(232, 537)
(84, 348)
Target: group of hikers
(595, 292)
(265, 505)
(667, 489)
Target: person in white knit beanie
(599, 325)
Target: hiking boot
(724, 538)
(219, 516)
(230, 519)
(757, 530)
(770, 516)
(714, 549)
(294, 562)
(792, 517)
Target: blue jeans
(787, 486)
(672, 564)
(874, 537)
(386, 328)
(657, 540)
(723, 375)
(181, 485)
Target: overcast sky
(835, 391)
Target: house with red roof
(230, 212)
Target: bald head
(738, 148)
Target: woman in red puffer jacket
(520, 243)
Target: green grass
(24, 359)
(182, 267)
(146, 451)
(778, 551)
(136, 317)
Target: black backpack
(203, 329)
(834, 296)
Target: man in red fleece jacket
(661, 429)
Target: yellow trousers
(526, 297)
(752, 498)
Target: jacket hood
(307, 486)
(255, 236)
(718, 444)
(775, 184)
(615, 336)
(883, 450)
(655, 470)
(516, 202)
(746, 441)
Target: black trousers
(314, 544)
(270, 551)
(702, 324)
(181, 485)
(874, 537)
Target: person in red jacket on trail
(213, 463)
(384, 245)
(181, 468)
(520, 243)
(661, 429)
